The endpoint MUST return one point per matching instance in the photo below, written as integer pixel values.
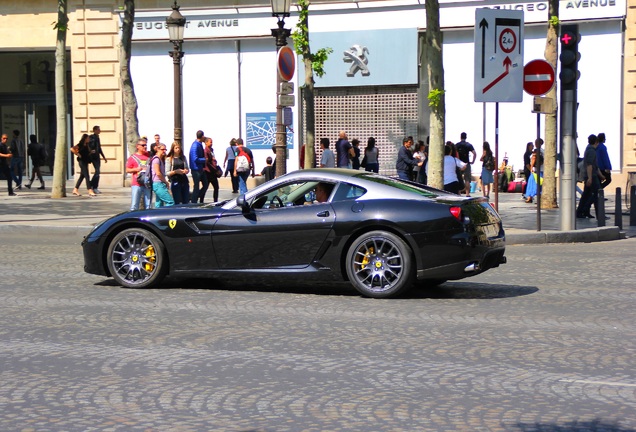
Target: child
(268, 171)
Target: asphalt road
(546, 342)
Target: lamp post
(280, 9)
(176, 24)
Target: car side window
(348, 191)
(287, 195)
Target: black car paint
(219, 239)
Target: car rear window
(416, 188)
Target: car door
(265, 238)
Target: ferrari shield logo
(172, 223)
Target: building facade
(375, 83)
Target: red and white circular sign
(538, 77)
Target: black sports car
(378, 233)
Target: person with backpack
(160, 184)
(464, 149)
(37, 153)
(136, 165)
(243, 165)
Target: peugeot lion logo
(356, 55)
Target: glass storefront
(27, 102)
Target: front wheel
(136, 258)
(380, 264)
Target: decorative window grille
(386, 113)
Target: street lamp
(176, 24)
(280, 9)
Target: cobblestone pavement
(546, 342)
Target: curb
(587, 235)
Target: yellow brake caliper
(151, 258)
(365, 260)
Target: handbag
(363, 164)
(460, 176)
(219, 171)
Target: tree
(61, 103)
(131, 122)
(314, 63)
(437, 104)
(548, 195)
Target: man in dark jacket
(405, 160)
(5, 160)
(95, 147)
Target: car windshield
(416, 188)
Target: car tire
(380, 264)
(136, 258)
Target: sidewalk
(35, 210)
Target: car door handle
(323, 213)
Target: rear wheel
(380, 264)
(136, 258)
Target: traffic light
(570, 56)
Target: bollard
(600, 208)
(632, 207)
(618, 210)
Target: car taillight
(457, 212)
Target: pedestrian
(228, 163)
(37, 153)
(536, 166)
(405, 160)
(96, 151)
(464, 150)
(328, 159)
(423, 178)
(344, 151)
(5, 162)
(418, 154)
(177, 169)
(593, 177)
(527, 167)
(268, 171)
(371, 154)
(604, 163)
(197, 162)
(243, 165)
(154, 145)
(451, 165)
(488, 165)
(137, 164)
(83, 152)
(210, 169)
(17, 159)
(355, 160)
(160, 184)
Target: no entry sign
(286, 63)
(538, 77)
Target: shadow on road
(449, 290)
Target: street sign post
(498, 55)
(538, 77)
(286, 63)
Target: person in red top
(138, 163)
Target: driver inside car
(323, 190)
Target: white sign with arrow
(498, 55)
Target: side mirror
(243, 204)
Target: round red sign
(286, 63)
(538, 77)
